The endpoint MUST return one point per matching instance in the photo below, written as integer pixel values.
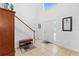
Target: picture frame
(67, 24)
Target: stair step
(25, 43)
(25, 40)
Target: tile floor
(43, 49)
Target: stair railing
(27, 26)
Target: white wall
(69, 39)
(55, 14)
(27, 12)
(34, 14)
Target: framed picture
(67, 24)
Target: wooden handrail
(26, 25)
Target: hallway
(42, 49)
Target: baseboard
(65, 47)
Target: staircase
(25, 43)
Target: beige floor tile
(43, 49)
(74, 53)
